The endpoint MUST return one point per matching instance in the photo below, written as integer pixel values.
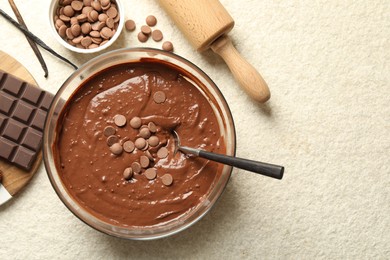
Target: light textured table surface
(327, 64)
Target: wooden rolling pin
(206, 23)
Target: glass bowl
(136, 55)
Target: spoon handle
(270, 170)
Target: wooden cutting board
(14, 178)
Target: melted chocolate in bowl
(92, 175)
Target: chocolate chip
(92, 46)
(86, 28)
(144, 161)
(82, 18)
(128, 173)
(109, 130)
(120, 120)
(69, 34)
(62, 30)
(93, 16)
(146, 30)
(64, 18)
(96, 41)
(77, 5)
(106, 7)
(105, 2)
(1, 176)
(167, 179)
(94, 34)
(152, 127)
(86, 41)
(116, 148)
(142, 37)
(167, 46)
(76, 29)
(59, 23)
(136, 167)
(78, 39)
(68, 11)
(159, 97)
(112, 12)
(112, 139)
(116, 20)
(128, 146)
(151, 173)
(86, 10)
(157, 35)
(87, 2)
(153, 141)
(102, 17)
(144, 132)
(110, 23)
(135, 122)
(98, 26)
(103, 42)
(73, 20)
(149, 155)
(106, 33)
(146, 146)
(151, 20)
(130, 25)
(96, 5)
(140, 143)
(162, 153)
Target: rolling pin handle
(247, 76)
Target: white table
(328, 122)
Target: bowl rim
(51, 10)
(145, 50)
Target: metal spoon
(270, 170)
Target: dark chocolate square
(12, 85)
(23, 111)
(2, 120)
(6, 148)
(13, 130)
(32, 139)
(46, 101)
(38, 121)
(5, 103)
(24, 157)
(32, 94)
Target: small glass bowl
(202, 82)
(52, 12)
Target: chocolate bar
(23, 109)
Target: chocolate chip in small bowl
(86, 26)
